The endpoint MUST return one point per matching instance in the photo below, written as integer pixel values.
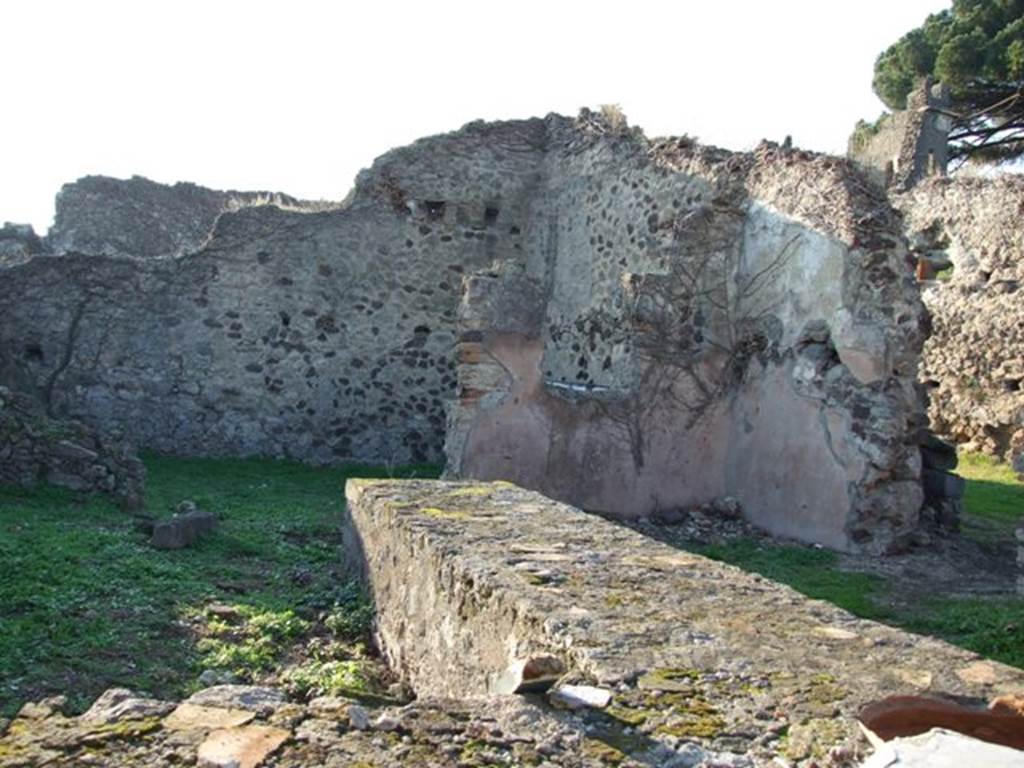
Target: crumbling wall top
(142, 219)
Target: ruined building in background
(968, 243)
(907, 146)
(631, 326)
(973, 362)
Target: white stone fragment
(580, 696)
(939, 748)
(358, 717)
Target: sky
(297, 96)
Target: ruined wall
(693, 324)
(319, 335)
(18, 243)
(35, 448)
(141, 219)
(910, 145)
(636, 326)
(973, 362)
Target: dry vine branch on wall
(697, 326)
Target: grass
(993, 491)
(86, 604)
(993, 627)
(814, 572)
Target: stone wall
(35, 448)
(322, 335)
(625, 324)
(692, 323)
(973, 362)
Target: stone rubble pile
(35, 448)
(237, 726)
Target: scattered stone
(244, 747)
(254, 698)
(386, 722)
(358, 717)
(318, 731)
(119, 704)
(533, 675)
(578, 696)
(943, 513)
(41, 709)
(187, 717)
(288, 715)
(330, 706)
(182, 529)
(211, 677)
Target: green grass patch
(813, 572)
(993, 490)
(993, 627)
(86, 604)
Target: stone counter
(468, 578)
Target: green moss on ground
(86, 604)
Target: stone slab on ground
(253, 698)
(471, 578)
(182, 530)
(243, 747)
(188, 717)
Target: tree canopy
(976, 49)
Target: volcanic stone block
(943, 485)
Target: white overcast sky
(297, 96)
